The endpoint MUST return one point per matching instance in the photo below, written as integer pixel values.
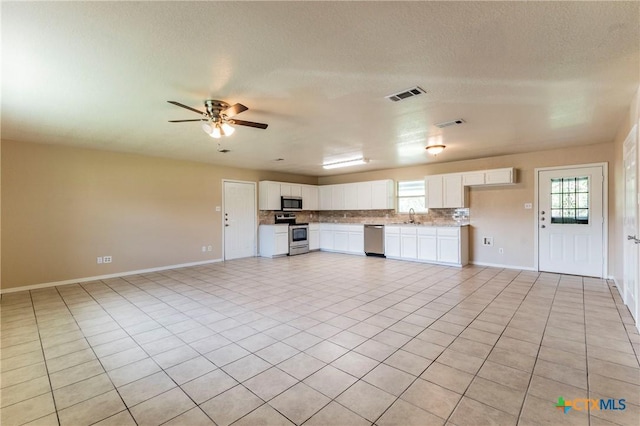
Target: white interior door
(571, 221)
(239, 219)
(631, 280)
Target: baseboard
(499, 265)
(105, 277)
(618, 288)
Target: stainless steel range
(298, 233)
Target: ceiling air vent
(449, 123)
(408, 93)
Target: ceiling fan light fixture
(435, 149)
(227, 129)
(347, 163)
(207, 127)
(216, 133)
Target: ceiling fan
(217, 121)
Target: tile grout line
(151, 358)
(97, 358)
(586, 346)
(351, 350)
(237, 304)
(524, 401)
(55, 405)
(439, 318)
(493, 346)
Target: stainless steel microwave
(289, 204)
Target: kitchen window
(411, 195)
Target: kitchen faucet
(412, 214)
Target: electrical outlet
(500, 250)
(528, 206)
(99, 260)
(107, 259)
(204, 248)
(487, 241)
(209, 248)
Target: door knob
(542, 218)
(634, 238)
(543, 226)
(226, 224)
(542, 212)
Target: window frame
(423, 196)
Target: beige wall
(499, 212)
(63, 207)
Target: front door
(631, 231)
(239, 219)
(571, 221)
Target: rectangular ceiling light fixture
(347, 163)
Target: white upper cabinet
(337, 197)
(434, 195)
(454, 191)
(325, 197)
(285, 189)
(473, 178)
(374, 195)
(382, 195)
(504, 176)
(364, 195)
(499, 176)
(290, 190)
(269, 195)
(309, 197)
(351, 197)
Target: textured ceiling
(525, 76)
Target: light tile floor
(319, 339)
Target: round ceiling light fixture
(435, 149)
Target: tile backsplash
(432, 217)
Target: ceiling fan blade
(234, 110)
(249, 124)
(182, 121)
(186, 107)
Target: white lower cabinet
(408, 243)
(449, 245)
(442, 245)
(274, 240)
(392, 241)
(428, 244)
(326, 238)
(314, 236)
(356, 239)
(342, 238)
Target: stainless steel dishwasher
(374, 240)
